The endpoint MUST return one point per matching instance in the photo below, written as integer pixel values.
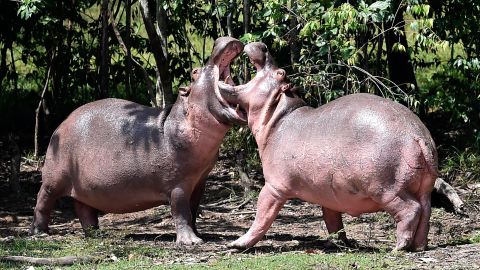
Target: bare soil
(226, 215)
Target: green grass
(461, 167)
(116, 253)
(302, 260)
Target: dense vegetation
(56, 56)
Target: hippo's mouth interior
(228, 56)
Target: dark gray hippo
(360, 153)
(117, 156)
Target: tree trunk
(40, 103)
(293, 36)
(128, 65)
(162, 32)
(158, 45)
(14, 164)
(231, 8)
(246, 30)
(104, 52)
(3, 61)
(15, 76)
(378, 57)
(400, 68)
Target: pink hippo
(117, 156)
(358, 154)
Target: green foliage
(28, 7)
(329, 48)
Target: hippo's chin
(237, 115)
(233, 112)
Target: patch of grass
(461, 167)
(107, 251)
(475, 238)
(117, 253)
(302, 260)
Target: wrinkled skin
(116, 156)
(360, 153)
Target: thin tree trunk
(293, 36)
(246, 29)
(214, 18)
(104, 52)
(400, 68)
(14, 164)
(37, 111)
(3, 61)
(129, 53)
(378, 59)
(161, 28)
(231, 8)
(14, 77)
(164, 84)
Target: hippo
(360, 153)
(117, 156)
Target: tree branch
(67, 260)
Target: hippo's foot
(402, 246)
(334, 243)
(188, 239)
(92, 232)
(240, 243)
(38, 230)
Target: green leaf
(397, 47)
(380, 5)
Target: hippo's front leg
(269, 204)
(334, 223)
(181, 212)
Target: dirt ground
(226, 215)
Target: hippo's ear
(279, 74)
(195, 73)
(184, 90)
(286, 87)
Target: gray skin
(358, 154)
(116, 156)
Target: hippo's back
(358, 119)
(104, 147)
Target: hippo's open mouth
(222, 66)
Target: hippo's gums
(360, 153)
(117, 156)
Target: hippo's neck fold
(195, 129)
(268, 121)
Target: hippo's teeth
(226, 79)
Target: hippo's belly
(121, 195)
(337, 194)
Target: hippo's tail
(429, 153)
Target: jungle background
(58, 55)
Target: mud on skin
(117, 156)
(360, 153)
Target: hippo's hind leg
(195, 202)
(88, 217)
(46, 198)
(334, 223)
(269, 203)
(421, 235)
(406, 211)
